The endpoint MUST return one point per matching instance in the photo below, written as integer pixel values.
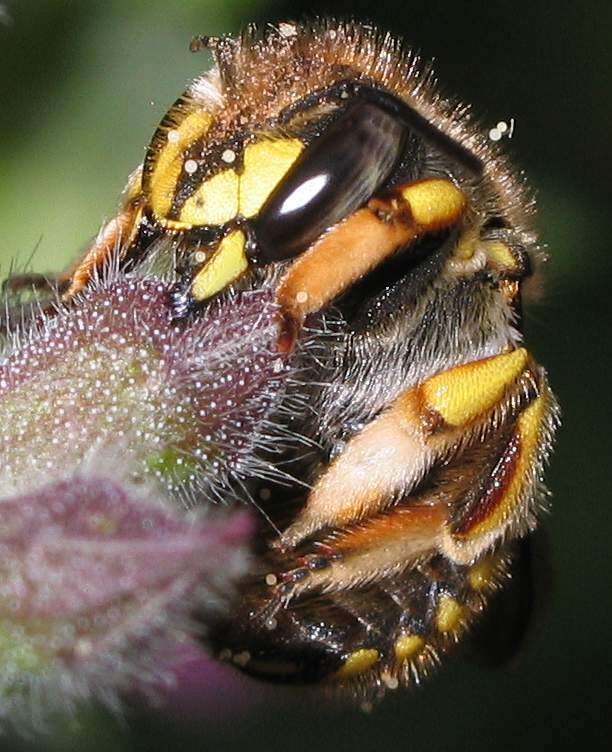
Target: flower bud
(109, 411)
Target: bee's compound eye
(332, 178)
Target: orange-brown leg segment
(116, 234)
(364, 240)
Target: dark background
(82, 86)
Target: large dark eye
(333, 177)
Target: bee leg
(53, 283)
(425, 425)
(507, 500)
(362, 241)
(117, 234)
(370, 550)
(469, 503)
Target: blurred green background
(82, 86)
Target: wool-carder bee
(322, 160)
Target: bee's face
(284, 140)
(400, 241)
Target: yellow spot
(358, 662)
(434, 202)
(169, 164)
(271, 579)
(227, 263)
(462, 394)
(500, 254)
(265, 165)
(450, 613)
(481, 574)
(214, 203)
(408, 646)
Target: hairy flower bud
(109, 412)
(114, 376)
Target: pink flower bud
(110, 413)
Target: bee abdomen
(365, 640)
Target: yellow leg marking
(434, 203)
(506, 499)
(462, 394)
(450, 613)
(527, 432)
(408, 646)
(228, 262)
(358, 662)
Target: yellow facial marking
(449, 615)
(481, 574)
(358, 662)
(408, 646)
(265, 164)
(462, 394)
(434, 202)
(214, 203)
(169, 163)
(227, 263)
(227, 194)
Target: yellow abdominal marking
(358, 662)
(226, 264)
(481, 575)
(408, 646)
(462, 394)
(449, 615)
